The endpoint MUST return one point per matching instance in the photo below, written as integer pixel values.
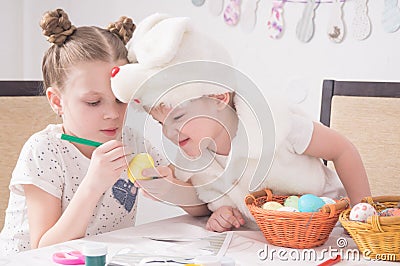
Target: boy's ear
(223, 100)
(54, 97)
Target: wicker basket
(379, 237)
(293, 229)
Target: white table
(246, 246)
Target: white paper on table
(181, 242)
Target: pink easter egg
(361, 211)
(389, 212)
(396, 212)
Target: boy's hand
(162, 183)
(167, 188)
(158, 172)
(224, 218)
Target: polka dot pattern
(57, 167)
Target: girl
(61, 190)
(207, 119)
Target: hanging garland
(391, 16)
(245, 12)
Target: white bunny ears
(160, 41)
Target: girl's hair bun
(56, 26)
(123, 28)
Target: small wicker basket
(293, 229)
(379, 237)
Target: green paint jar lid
(94, 249)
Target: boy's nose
(171, 133)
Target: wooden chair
(368, 114)
(23, 112)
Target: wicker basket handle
(261, 193)
(342, 204)
(385, 220)
(381, 199)
(377, 221)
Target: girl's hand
(51, 225)
(107, 163)
(224, 218)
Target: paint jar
(95, 254)
(227, 261)
(208, 260)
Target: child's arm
(330, 145)
(173, 190)
(48, 225)
(198, 210)
(224, 218)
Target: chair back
(368, 114)
(23, 112)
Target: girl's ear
(54, 98)
(224, 100)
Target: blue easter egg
(310, 203)
(328, 200)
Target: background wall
(286, 66)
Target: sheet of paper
(173, 248)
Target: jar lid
(211, 260)
(94, 249)
(208, 260)
(227, 261)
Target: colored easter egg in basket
(361, 211)
(271, 205)
(310, 203)
(396, 212)
(328, 200)
(292, 201)
(140, 162)
(288, 209)
(390, 212)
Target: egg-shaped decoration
(310, 203)
(271, 205)
(390, 212)
(328, 200)
(292, 201)
(140, 162)
(396, 212)
(361, 211)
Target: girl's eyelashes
(95, 103)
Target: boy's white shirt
(291, 173)
(160, 41)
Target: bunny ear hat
(160, 41)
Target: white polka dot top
(57, 167)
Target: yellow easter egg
(137, 164)
(271, 205)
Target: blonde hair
(72, 45)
